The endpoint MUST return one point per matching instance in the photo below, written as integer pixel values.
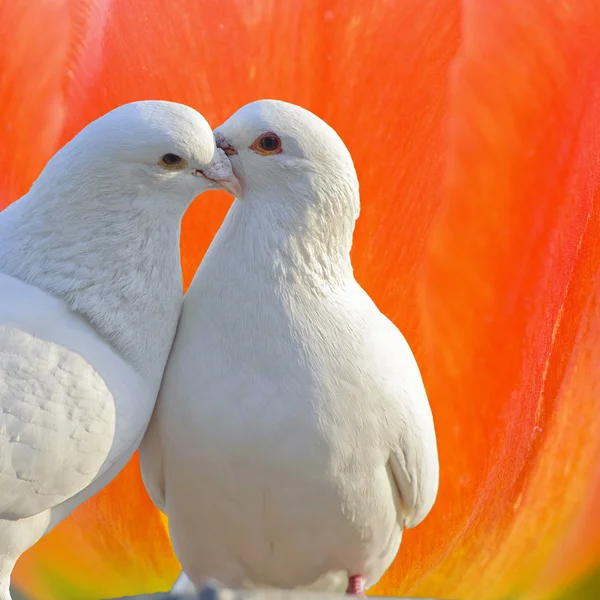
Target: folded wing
(57, 423)
(413, 462)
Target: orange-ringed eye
(266, 144)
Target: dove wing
(413, 462)
(57, 422)
(415, 473)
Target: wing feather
(57, 424)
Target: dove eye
(172, 162)
(267, 144)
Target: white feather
(293, 439)
(90, 288)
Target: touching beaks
(222, 143)
(231, 185)
(229, 150)
(221, 172)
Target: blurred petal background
(475, 129)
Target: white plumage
(292, 440)
(90, 289)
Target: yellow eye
(172, 162)
(267, 144)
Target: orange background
(475, 129)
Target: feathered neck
(286, 243)
(116, 262)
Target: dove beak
(221, 174)
(231, 185)
(224, 144)
(228, 149)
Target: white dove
(90, 295)
(292, 440)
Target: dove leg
(356, 586)
(15, 538)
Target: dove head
(100, 226)
(161, 151)
(295, 166)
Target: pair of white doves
(292, 439)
